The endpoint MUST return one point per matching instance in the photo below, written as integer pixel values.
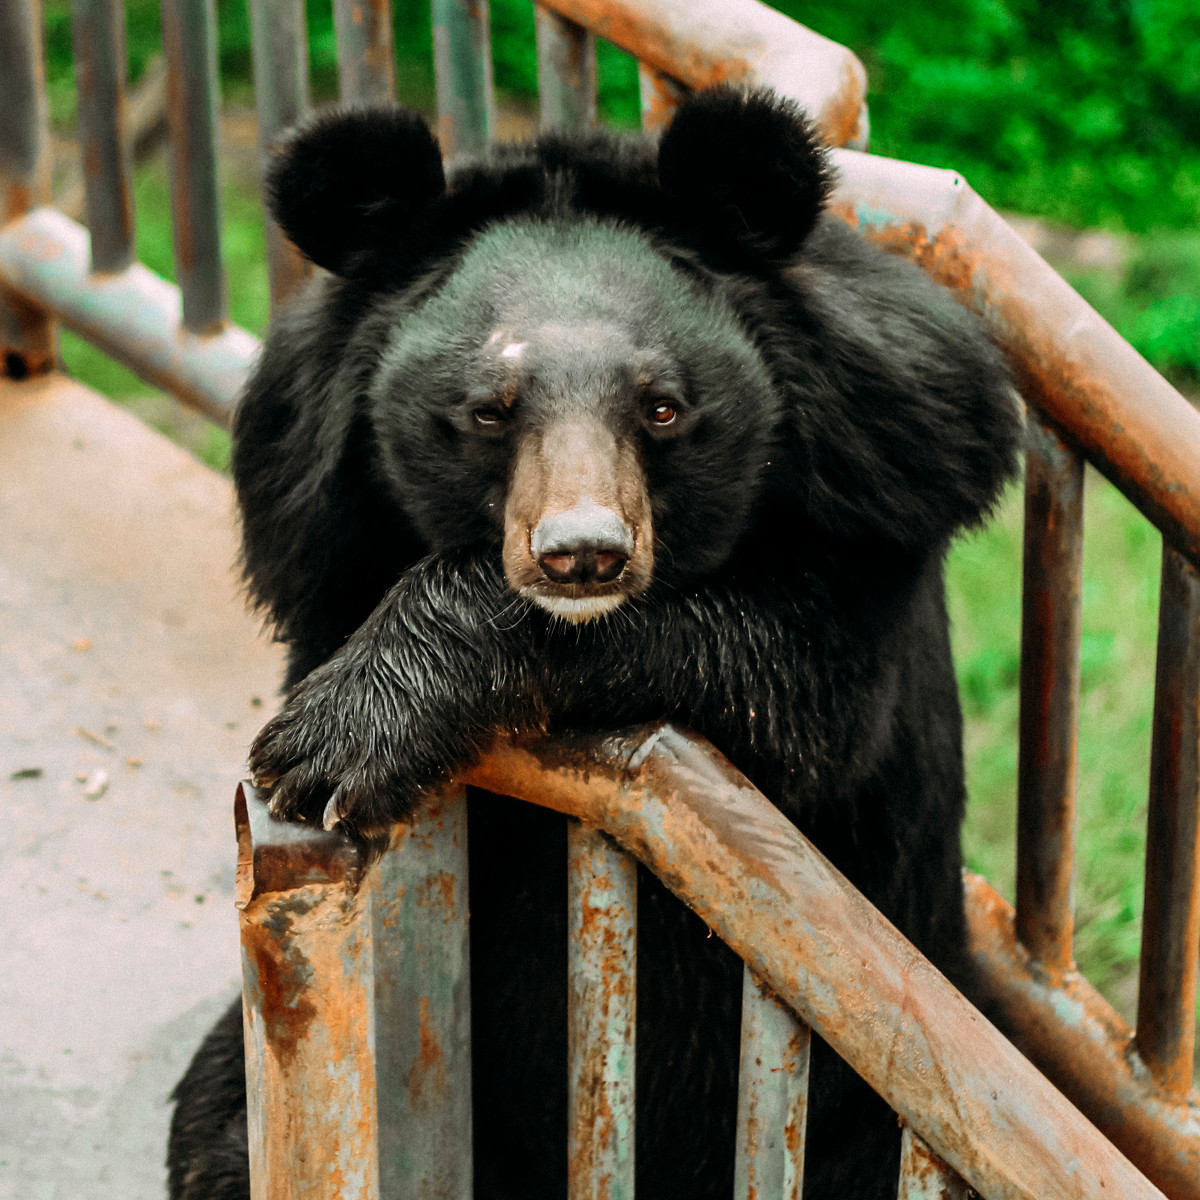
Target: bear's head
(548, 352)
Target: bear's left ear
(348, 178)
(747, 166)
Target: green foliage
(1154, 303)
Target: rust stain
(427, 1075)
(286, 1009)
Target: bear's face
(569, 393)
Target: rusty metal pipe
(190, 46)
(772, 1111)
(279, 42)
(1131, 424)
(306, 920)
(422, 997)
(135, 315)
(27, 339)
(704, 42)
(1085, 1048)
(462, 63)
(601, 1016)
(1050, 641)
(1166, 1024)
(923, 1176)
(366, 60)
(566, 59)
(660, 96)
(98, 40)
(724, 850)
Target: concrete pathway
(131, 681)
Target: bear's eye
(490, 416)
(662, 413)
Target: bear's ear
(345, 179)
(747, 166)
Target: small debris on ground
(95, 738)
(132, 761)
(95, 784)
(81, 644)
(27, 773)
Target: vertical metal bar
(423, 1006)
(566, 59)
(190, 44)
(772, 1098)
(602, 989)
(27, 338)
(366, 61)
(660, 97)
(280, 46)
(1166, 1015)
(923, 1176)
(98, 39)
(307, 991)
(462, 60)
(1050, 638)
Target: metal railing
(1091, 398)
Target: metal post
(27, 336)
(772, 1098)
(98, 38)
(366, 61)
(307, 989)
(190, 45)
(1050, 639)
(423, 1006)
(566, 56)
(923, 1176)
(462, 59)
(280, 46)
(1166, 1016)
(660, 97)
(601, 994)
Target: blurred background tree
(1082, 113)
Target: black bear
(586, 433)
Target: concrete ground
(131, 681)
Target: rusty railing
(1091, 398)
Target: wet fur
(796, 615)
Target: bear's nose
(585, 544)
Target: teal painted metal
(190, 45)
(366, 60)
(280, 46)
(462, 59)
(772, 1098)
(27, 340)
(307, 979)
(923, 1176)
(601, 1004)
(1166, 1025)
(136, 316)
(98, 40)
(566, 58)
(423, 1006)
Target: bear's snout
(586, 544)
(578, 538)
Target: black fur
(841, 419)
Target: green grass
(1122, 554)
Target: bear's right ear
(345, 179)
(747, 167)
